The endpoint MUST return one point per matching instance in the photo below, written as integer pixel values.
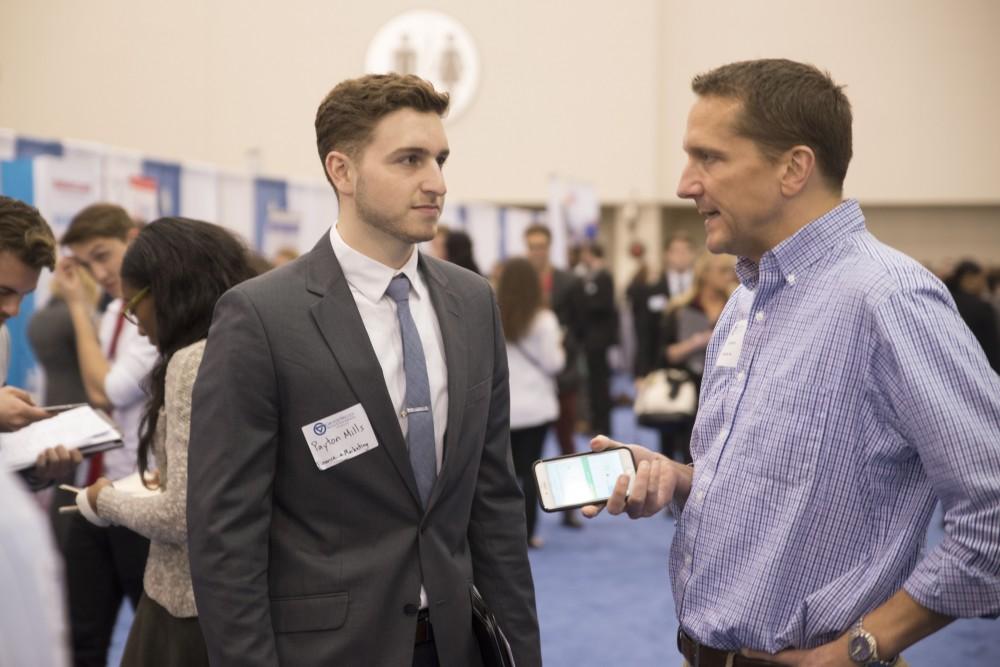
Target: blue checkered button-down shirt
(858, 397)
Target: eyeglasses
(128, 312)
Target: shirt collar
(803, 248)
(368, 276)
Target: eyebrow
(419, 151)
(10, 289)
(700, 148)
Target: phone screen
(576, 480)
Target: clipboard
(78, 427)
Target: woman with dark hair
(172, 275)
(535, 356)
(458, 249)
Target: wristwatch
(863, 649)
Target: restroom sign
(432, 45)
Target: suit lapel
(339, 322)
(448, 309)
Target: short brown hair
(784, 104)
(99, 221)
(538, 228)
(25, 233)
(348, 114)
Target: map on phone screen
(582, 479)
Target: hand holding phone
(577, 480)
(657, 482)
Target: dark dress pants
(103, 565)
(599, 391)
(425, 655)
(526, 448)
(158, 639)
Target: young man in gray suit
(350, 474)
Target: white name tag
(340, 437)
(730, 353)
(656, 303)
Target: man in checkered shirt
(843, 396)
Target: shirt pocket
(783, 438)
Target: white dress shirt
(368, 280)
(679, 282)
(125, 387)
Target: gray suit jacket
(298, 566)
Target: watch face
(859, 649)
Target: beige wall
(921, 76)
(566, 87)
(583, 89)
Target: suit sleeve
(234, 424)
(497, 532)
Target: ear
(799, 163)
(131, 234)
(341, 171)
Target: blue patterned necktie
(417, 402)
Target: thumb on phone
(601, 442)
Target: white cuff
(88, 512)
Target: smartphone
(581, 479)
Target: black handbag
(493, 645)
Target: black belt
(425, 633)
(699, 655)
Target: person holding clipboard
(32, 618)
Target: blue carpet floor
(604, 594)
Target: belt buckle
(424, 630)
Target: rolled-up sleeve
(946, 402)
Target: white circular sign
(433, 46)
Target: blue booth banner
(168, 184)
(62, 177)
(58, 187)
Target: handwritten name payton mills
(331, 440)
